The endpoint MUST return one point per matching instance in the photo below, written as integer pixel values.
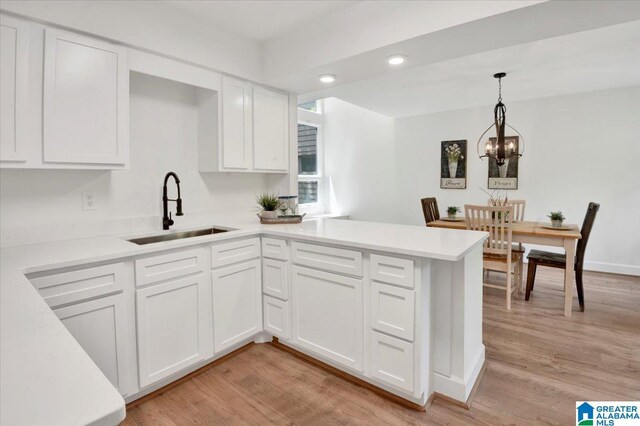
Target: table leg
(569, 274)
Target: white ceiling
(260, 20)
(604, 58)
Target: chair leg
(531, 277)
(580, 288)
(508, 290)
(520, 274)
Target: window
(309, 175)
(312, 106)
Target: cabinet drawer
(170, 265)
(276, 317)
(235, 251)
(275, 278)
(275, 248)
(392, 361)
(392, 310)
(68, 287)
(392, 270)
(329, 258)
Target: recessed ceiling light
(327, 78)
(396, 59)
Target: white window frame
(315, 119)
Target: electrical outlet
(89, 200)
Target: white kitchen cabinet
(270, 130)
(327, 311)
(275, 278)
(237, 303)
(276, 317)
(392, 361)
(236, 125)
(85, 101)
(174, 327)
(393, 310)
(99, 326)
(14, 56)
(253, 130)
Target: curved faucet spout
(166, 217)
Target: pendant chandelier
(499, 148)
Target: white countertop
(47, 378)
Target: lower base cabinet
(276, 317)
(174, 327)
(237, 303)
(328, 315)
(99, 327)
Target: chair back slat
(587, 225)
(496, 220)
(517, 209)
(430, 209)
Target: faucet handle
(170, 220)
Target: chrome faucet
(166, 217)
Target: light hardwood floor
(538, 364)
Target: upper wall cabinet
(253, 134)
(14, 57)
(270, 130)
(236, 125)
(86, 107)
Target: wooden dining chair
(430, 209)
(517, 211)
(557, 260)
(498, 253)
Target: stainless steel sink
(176, 236)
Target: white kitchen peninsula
(397, 306)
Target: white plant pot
(503, 169)
(556, 223)
(453, 169)
(269, 214)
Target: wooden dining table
(536, 233)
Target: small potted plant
(556, 219)
(452, 212)
(269, 203)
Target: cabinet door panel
(392, 361)
(99, 326)
(174, 327)
(275, 278)
(392, 310)
(270, 130)
(86, 92)
(276, 317)
(237, 303)
(236, 124)
(14, 54)
(327, 315)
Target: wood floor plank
(538, 364)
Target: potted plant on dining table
(452, 212)
(557, 218)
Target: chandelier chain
(500, 89)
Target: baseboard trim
(612, 268)
(189, 376)
(337, 372)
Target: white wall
(579, 148)
(359, 161)
(45, 205)
(154, 26)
